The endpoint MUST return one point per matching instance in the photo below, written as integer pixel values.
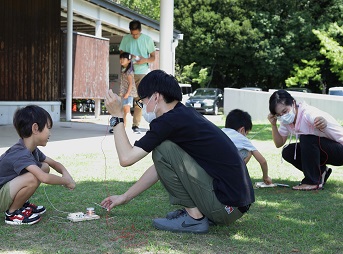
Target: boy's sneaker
(21, 217)
(180, 221)
(34, 208)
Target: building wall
(90, 66)
(29, 50)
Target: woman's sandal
(307, 187)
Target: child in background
(237, 126)
(23, 167)
(128, 89)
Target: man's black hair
(237, 119)
(281, 96)
(24, 118)
(135, 25)
(160, 82)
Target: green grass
(280, 221)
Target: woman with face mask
(320, 136)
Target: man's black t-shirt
(209, 146)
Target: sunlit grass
(280, 221)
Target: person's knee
(32, 181)
(27, 180)
(288, 153)
(45, 167)
(308, 139)
(163, 147)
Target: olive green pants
(5, 197)
(189, 185)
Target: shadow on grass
(280, 221)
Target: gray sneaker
(180, 221)
(176, 213)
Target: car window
(204, 92)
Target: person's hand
(272, 119)
(113, 201)
(113, 104)
(320, 123)
(267, 180)
(71, 185)
(141, 60)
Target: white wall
(256, 103)
(8, 108)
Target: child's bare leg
(126, 110)
(21, 189)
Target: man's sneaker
(20, 217)
(326, 175)
(135, 129)
(34, 208)
(177, 212)
(180, 221)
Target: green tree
(251, 42)
(203, 78)
(186, 74)
(150, 8)
(331, 48)
(311, 70)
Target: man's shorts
(5, 197)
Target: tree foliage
(149, 8)
(255, 42)
(251, 42)
(331, 49)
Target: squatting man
(195, 161)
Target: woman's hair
(237, 119)
(127, 56)
(24, 118)
(160, 82)
(280, 97)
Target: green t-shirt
(143, 46)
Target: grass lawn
(280, 221)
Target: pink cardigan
(305, 124)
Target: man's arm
(148, 179)
(150, 59)
(127, 153)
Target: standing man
(196, 162)
(142, 49)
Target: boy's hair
(160, 82)
(135, 25)
(280, 96)
(237, 119)
(24, 118)
(127, 56)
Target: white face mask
(287, 118)
(148, 116)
